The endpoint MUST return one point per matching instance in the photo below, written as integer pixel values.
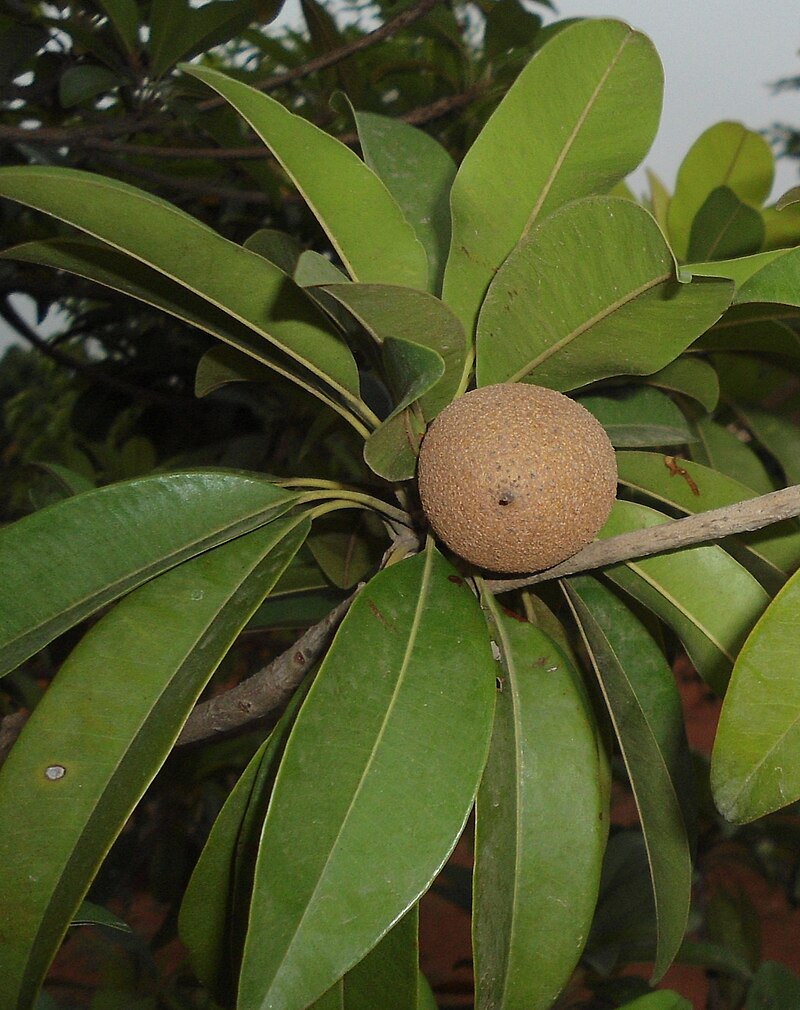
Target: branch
(257, 700)
(385, 31)
(265, 693)
(752, 514)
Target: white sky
(720, 57)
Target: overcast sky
(720, 57)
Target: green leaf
(124, 18)
(90, 914)
(99, 262)
(664, 999)
(639, 416)
(712, 626)
(415, 316)
(774, 987)
(749, 328)
(725, 227)
(351, 760)
(179, 30)
(720, 449)
(692, 487)
(645, 708)
(222, 365)
(411, 370)
(418, 172)
(570, 305)
(276, 246)
(776, 282)
(689, 376)
(362, 219)
(215, 903)
(84, 81)
(63, 563)
(240, 283)
(755, 767)
(738, 270)
(540, 829)
(509, 26)
(103, 729)
(603, 83)
(727, 154)
(389, 975)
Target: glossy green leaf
(604, 85)
(689, 376)
(755, 767)
(391, 311)
(425, 997)
(104, 728)
(91, 548)
(779, 434)
(783, 226)
(540, 829)
(222, 365)
(571, 303)
(359, 214)
(727, 154)
(712, 626)
(725, 227)
(347, 548)
(776, 282)
(389, 975)
(638, 416)
(411, 370)
(692, 487)
(216, 900)
(719, 448)
(645, 708)
(99, 262)
(418, 172)
(749, 328)
(351, 760)
(278, 247)
(230, 278)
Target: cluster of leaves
(673, 321)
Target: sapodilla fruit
(515, 477)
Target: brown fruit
(516, 478)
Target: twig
(753, 514)
(254, 700)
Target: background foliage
(703, 414)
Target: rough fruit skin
(515, 477)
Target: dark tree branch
(256, 699)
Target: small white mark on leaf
(55, 772)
